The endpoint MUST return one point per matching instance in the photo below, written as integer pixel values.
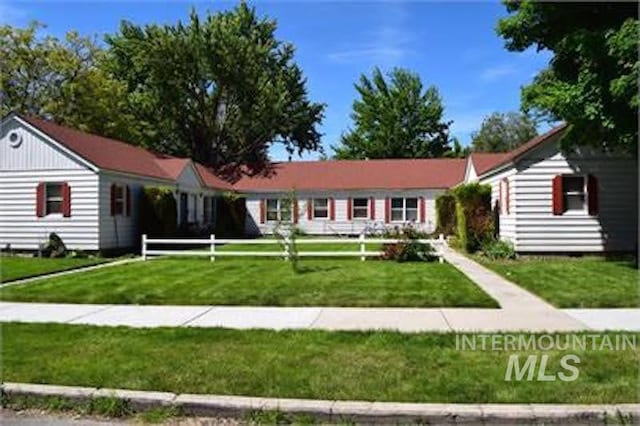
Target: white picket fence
(438, 245)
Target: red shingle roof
(488, 162)
(115, 155)
(485, 161)
(358, 174)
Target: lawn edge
(133, 401)
(74, 269)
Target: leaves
(503, 132)
(223, 88)
(395, 117)
(592, 80)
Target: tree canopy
(395, 117)
(592, 80)
(503, 132)
(221, 89)
(61, 79)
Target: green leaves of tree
(503, 132)
(395, 117)
(592, 81)
(222, 88)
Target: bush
(409, 249)
(446, 214)
(499, 249)
(158, 215)
(55, 247)
(474, 218)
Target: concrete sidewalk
(321, 318)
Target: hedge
(474, 218)
(158, 215)
(446, 214)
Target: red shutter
(592, 194)
(372, 208)
(40, 200)
(113, 199)
(506, 196)
(349, 208)
(262, 212)
(422, 210)
(332, 209)
(66, 200)
(309, 209)
(128, 200)
(295, 210)
(558, 207)
(387, 210)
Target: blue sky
(452, 45)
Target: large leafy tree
(395, 117)
(221, 89)
(592, 80)
(61, 79)
(503, 132)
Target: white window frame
(367, 207)
(313, 209)
(585, 192)
(48, 198)
(404, 209)
(278, 210)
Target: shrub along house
(348, 197)
(550, 201)
(86, 188)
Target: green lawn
(17, 267)
(586, 282)
(303, 364)
(259, 281)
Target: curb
(327, 410)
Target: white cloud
(496, 72)
(367, 53)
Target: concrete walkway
(320, 318)
(509, 295)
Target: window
(360, 208)
(278, 210)
(118, 200)
(53, 196)
(574, 193)
(320, 208)
(404, 209)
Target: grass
(257, 281)
(381, 366)
(18, 267)
(586, 282)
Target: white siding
(615, 228)
(341, 225)
(22, 168)
(121, 231)
(534, 228)
(507, 222)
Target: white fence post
(144, 247)
(286, 248)
(213, 248)
(362, 247)
(442, 243)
